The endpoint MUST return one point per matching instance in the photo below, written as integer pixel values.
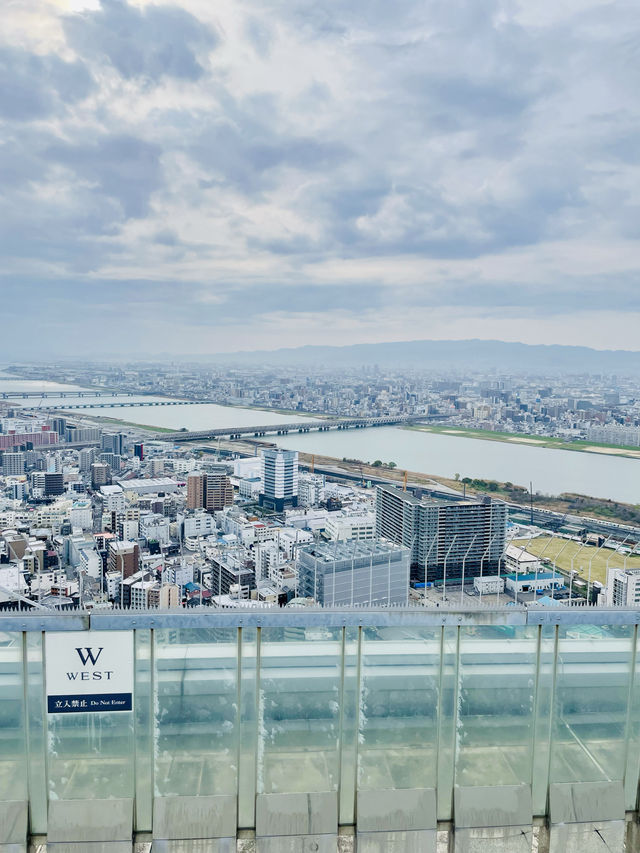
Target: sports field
(562, 551)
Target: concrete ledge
(583, 802)
(297, 814)
(89, 847)
(13, 822)
(497, 805)
(297, 844)
(420, 841)
(493, 839)
(195, 845)
(396, 810)
(592, 837)
(184, 818)
(99, 821)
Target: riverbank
(566, 504)
(530, 440)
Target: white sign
(89, 671)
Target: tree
(377, 463)
(391, 465)
(456, 477)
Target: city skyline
(210, 179)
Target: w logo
(88, 655)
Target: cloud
(148, 43)
(288, 172)
(118, 167)
(35, 87)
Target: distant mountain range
(462, 355)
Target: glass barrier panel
(399, 708)
(593, 674)
(299, 701)
(196, 714)
(497, 677)
(13, 765)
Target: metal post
(444, 585)
(426, 566)
(464, 562)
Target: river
(551, 471)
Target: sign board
(89, 671)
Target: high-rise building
(124, 557)
(453, 536)
(77, 435)
(218, 491)
(113, 460)
(138, 450)
(59, 425)
(100, 474)
(86, 458)
(346, 573)
(113, 442)
(12, 464)
(195, 490)
(280, 478)
(47, 483)
(212, 490)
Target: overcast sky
(204, 176)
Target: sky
(198, 177)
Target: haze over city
(205, 178)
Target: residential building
(124, 557)
(211, 490)
(113, 443)
(100, 475)
(81, 515)
(310, 489)
(154, 528)
(13, 463)
(453, 537)
(623, 588)
(86, 458)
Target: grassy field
(582, 556)
(116, 422)
(531, 440)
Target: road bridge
(302, 426)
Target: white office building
(342, 527)
(280, 478)
(198, 523)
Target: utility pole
(531, 501)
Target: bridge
(40, 395)
(69, 406)
(301, 426)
